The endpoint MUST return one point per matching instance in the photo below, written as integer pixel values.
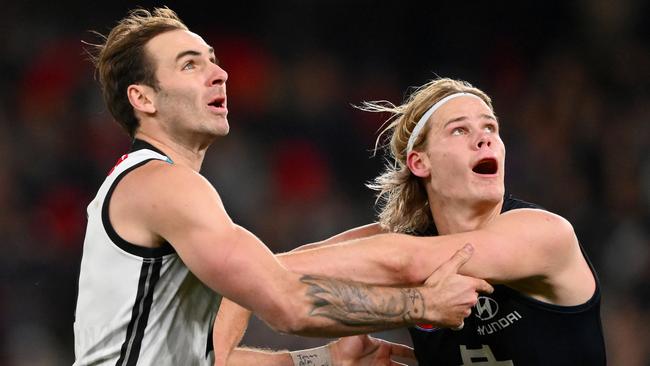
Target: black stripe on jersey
(141, 144)
(209, 346)
(511, 203)
(149, 275)
(134, 249)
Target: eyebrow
(193, 53)
(463, 118)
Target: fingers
(483, 287)
(401, 350)
(460, 327)
(396, 349)
(461, 257)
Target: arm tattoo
(357, 304)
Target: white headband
(425, 117)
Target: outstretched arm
(520, 245)
(357, 350)
(243, 356)
(232, 319)
(233, 262)
(454, 288)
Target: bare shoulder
(167, 183)
(540, 216)
(158, 196)
(551, 240)
(541, 241)
(537, 226)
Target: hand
(453, 294)
(363, 350)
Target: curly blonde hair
(402, 199)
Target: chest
(506, 328)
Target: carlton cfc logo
(486, 308)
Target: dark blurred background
(570, 82)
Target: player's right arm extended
(232, 320)
(233, 262)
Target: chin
(485, 202)
(490, 196)
(221, 129)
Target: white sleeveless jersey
(137, 305)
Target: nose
(484, 140)
(219, 76)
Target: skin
(463, 132)
(146, 208)
(533, 251)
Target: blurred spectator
(571, 87)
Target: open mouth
(218, 103)
(486, 166)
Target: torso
(133, 297)
(510, 327)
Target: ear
(141, 98)
(418, 163)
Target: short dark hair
(121, 59)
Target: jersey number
(480, 357)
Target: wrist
(320, 356)
(417, 310)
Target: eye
(458, 131)
(490, 128)
(189, 65)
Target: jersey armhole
(138, 250)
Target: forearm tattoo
(356, 304)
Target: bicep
(223, 255)
(233, 262)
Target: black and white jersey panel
(137, 305)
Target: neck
(181, 153)
(454, 216)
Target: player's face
(191, 101)
(465, 152)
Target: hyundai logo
(486, 308)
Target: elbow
(403, 266)
(285, 318)
(410, 271)
(284, 324)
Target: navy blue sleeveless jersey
(508, 328)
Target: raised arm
(233, 262)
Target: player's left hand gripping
(455, 293)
